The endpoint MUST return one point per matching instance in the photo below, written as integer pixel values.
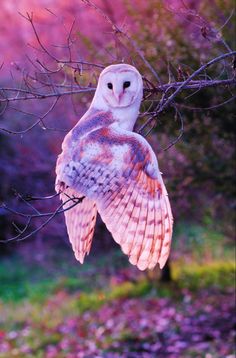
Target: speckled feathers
(117, 172)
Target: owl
(115, 172)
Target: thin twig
(185, 85)
(30, 217)
(196, 73)
(118, 30)
(181, 131)
(231, 99)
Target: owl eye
(109, 85)
(126, 84)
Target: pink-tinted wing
(80, 222)
(140, 220)
(118, 171)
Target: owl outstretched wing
(80, 222)
(118, 171)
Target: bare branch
(181, 132)
(196, 73)
(38, 122)
(231, 99)
(30, 19)
(33, 95)
(185, 85)
(22, 233)
(119, 31)
(58, 79)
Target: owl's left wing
(80, 221)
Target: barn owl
(116, 173)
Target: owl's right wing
(119, 171)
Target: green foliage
(200, 168)
(15, 284)
(201, 243)
(215, 274)
(93, 300)
(185, 275)
(129, 289)
(35, 281)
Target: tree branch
(196, 73)
(184, 85)
(46, 83)
(22, 233)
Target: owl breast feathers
(116, 172)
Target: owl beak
(118, 96)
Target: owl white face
(120, 86)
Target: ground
(52, 307)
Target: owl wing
(80, 222)
(118, 170)
(140, 220)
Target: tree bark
(166, 273)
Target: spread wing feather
(80, 222)
(122, 181)
(140, 223)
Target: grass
(36, 280)
(42, 294)
(206, 259)
(64, 302)
(201, 243)
(218, 274)
(29, 284)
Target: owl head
(119, 86)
